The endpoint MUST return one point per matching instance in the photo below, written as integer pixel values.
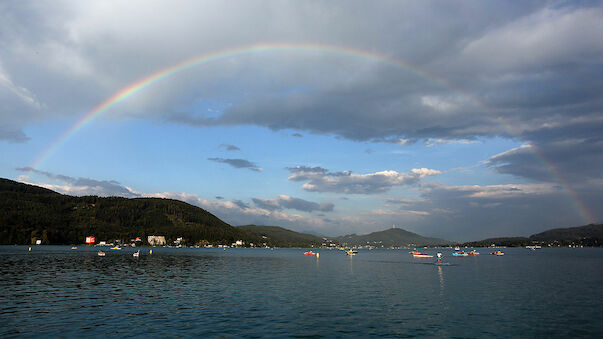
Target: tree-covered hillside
(389, 238)
(28, 212)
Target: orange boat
(472, 252)
(309, 253)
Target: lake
(59, 292)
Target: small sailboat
(136, 254)
(100, 253)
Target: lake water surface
(58, 292)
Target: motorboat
(497, 253)
(351, 252)
(473, 252)
(422, 255)
(460, 254)
(100, 253)
(309, 253)
(136, 254)
(415, 251)
(116, 247)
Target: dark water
(59, 292)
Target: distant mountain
(275, 236)
(592, 234)
(589, 235)
(388, 238)
(504, 241)
(29, 213)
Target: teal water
(54, 291)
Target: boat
(457, 248)
(74, 248)
(497, 253)
(101, 253)
(460, 254)
(473, 252)
(415, 251)
(422, 255)
(351, 252)
(136, 254)
(309, 253)
(116, 247)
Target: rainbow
(238, 52)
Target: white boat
(136, 254)
(100, 253)
(457, 248)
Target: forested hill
(389, 238)
(29, 212)
(281, 237)
(591, 235)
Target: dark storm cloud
(464, 54)
(478, 212)
(229, 147)
(321, 180)
(287, 202)
(84, 186)
(238, 163)
(573, 150)
(475, 212)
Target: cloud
(297, 135)
(229, 147)
(288, 202)
(235, 214)
(545, 38)
(12, 134)
(321, 180)
(82, 186)
(241, 204)
(22, 93)
(238, 163)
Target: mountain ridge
(393, 237)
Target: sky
(456, 119)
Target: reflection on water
(56, 291)
(441, 276)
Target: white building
(156, 240)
